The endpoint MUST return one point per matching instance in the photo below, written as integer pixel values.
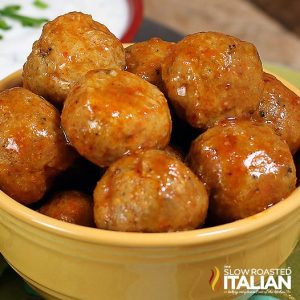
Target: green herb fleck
(4, 25)
(1, 37)
(10, 11)
(11, 8)
(40, 4)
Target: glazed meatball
(144, 59)
(112, 113)
(70, 206)
(149, 192)
(70, 46)
(33, 146)
(279, 108)
(171, 150)
(211, 76)
(245, 166)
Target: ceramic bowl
(66, 261)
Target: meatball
(112, 113)
(174, 151)
(149, 192)
(33, 146)
(70, 46)
(279, 108)
(144, 59)
(245, 166)
(211, 76)
(70, 206)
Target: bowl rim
(135, 239)
(136, 11)
(197, 237)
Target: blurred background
(272, 25)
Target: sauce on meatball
(112, 113)
(70, 206)
(69, 47)
(279, 108)
(150, 191)
(211, 76)
(246, 168)
(33, 146)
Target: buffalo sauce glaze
(246, 168)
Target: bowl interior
(269, 217)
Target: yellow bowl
(66, 261)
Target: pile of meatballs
(156, 137)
